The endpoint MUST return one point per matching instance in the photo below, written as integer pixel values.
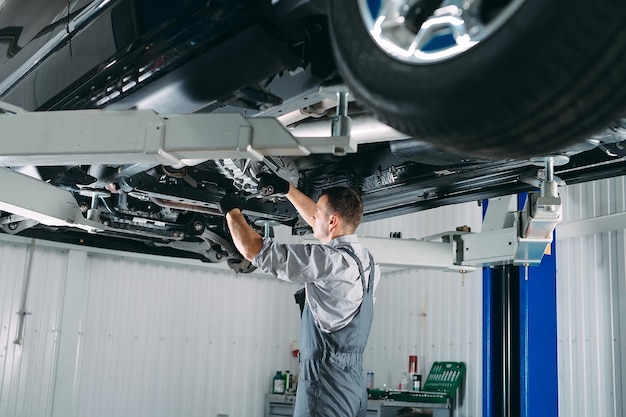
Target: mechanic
(340, 277)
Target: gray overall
(331, 382)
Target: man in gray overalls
(340, 277)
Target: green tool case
(441, 384)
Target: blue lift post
(538, 339)
(520, 339)
(493, 340)
(501, 354)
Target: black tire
(553, 74)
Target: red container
(413, 364)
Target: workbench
(279, 405)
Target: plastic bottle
(404, 384)
(278, 383)
(287, 376)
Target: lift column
(538, 338)
(520, 376)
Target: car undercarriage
(259, 60)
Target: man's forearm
(302, 203)
(246, 239)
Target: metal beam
(601, 224)
(88, 137)
(390, 252)
(410, 253)
(29, 197)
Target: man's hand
(270, 184)
(230, 201)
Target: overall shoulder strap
(370, 283)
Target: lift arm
(37, 200)
(508, 236)
(91, 137)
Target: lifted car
(446, 101)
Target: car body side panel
(128, 44)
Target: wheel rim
(431, 31)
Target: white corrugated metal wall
(435, 315)
(34, 275)
(591, 300)
(151, 338)
(166, 340)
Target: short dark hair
(345, 202)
